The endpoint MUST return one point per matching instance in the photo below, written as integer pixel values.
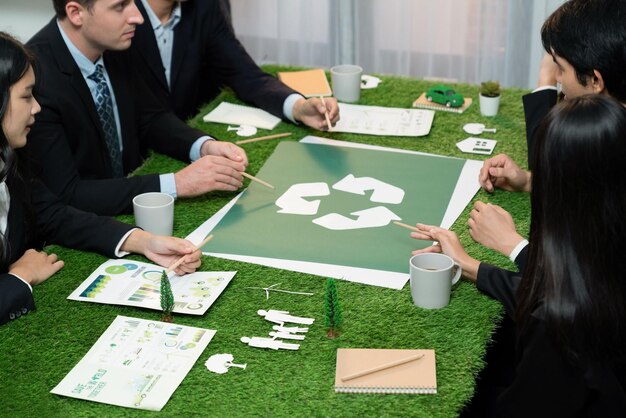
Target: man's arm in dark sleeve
(16, 298)
(536, 107)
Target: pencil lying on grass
(180, 260)
(264, 183)
(412, 228)
(326, 112)
(263, 138)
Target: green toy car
(444, 95)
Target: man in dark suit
(186, 51)
(585, 43)
(99, 119)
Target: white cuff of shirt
(545, 88)
(518, 249)
(168, 184)
(194, 152)
(25, 282)
(288, 105)
(118, 252)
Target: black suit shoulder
(206, 57)
(67, 140)
(536, 107)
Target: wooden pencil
(412, 228)
(264, 183)
(326, 112)
(263, 138)
(382, 367)
(180, 260)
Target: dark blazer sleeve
(236, 69)
(521, 258)
(61, 224)
(206, 57)
(536, 107)
(500, 284)
(16, 299)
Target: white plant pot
(489, 105)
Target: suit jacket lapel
(145, 42)
(68, 67)
(182, 35)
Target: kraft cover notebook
(423, 103)
(367, 370)
(309, 83)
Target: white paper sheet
(230, 113)
(133, 283)
(465, 189)
(383, 121)
(136, 363)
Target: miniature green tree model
(332, 309)
(167, 298)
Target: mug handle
(457, 275)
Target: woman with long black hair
(569, 306)
(31, 216)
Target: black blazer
(48, 221)
(206, 57)
(545, 383)
(505, 282)
(67, 139)
(536, 107)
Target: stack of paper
(230, 113)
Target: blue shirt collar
(154, 20)
(84, 64)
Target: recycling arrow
(292, 200)
(382, 192)
(368, 218)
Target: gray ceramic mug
(154, 212)
(346, 82)
(432, 276)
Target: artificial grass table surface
(41, 348)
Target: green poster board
(253, 227)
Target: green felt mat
(40, 349)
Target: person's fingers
(52, 258)
(58, 265)
(436, 248)
(421, 236)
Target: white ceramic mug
(432, 276)
(154, 212)
(346, 81)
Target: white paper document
(384, 121)
(464, 191)
(133, 283)
(136, 363)
(235, 114)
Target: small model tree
(167, 298)
(332, 309)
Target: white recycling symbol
(293, 202)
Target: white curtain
(459, 40)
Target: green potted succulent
(489, 98)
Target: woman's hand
(449, 244)
(164, 251)
(36, 266)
